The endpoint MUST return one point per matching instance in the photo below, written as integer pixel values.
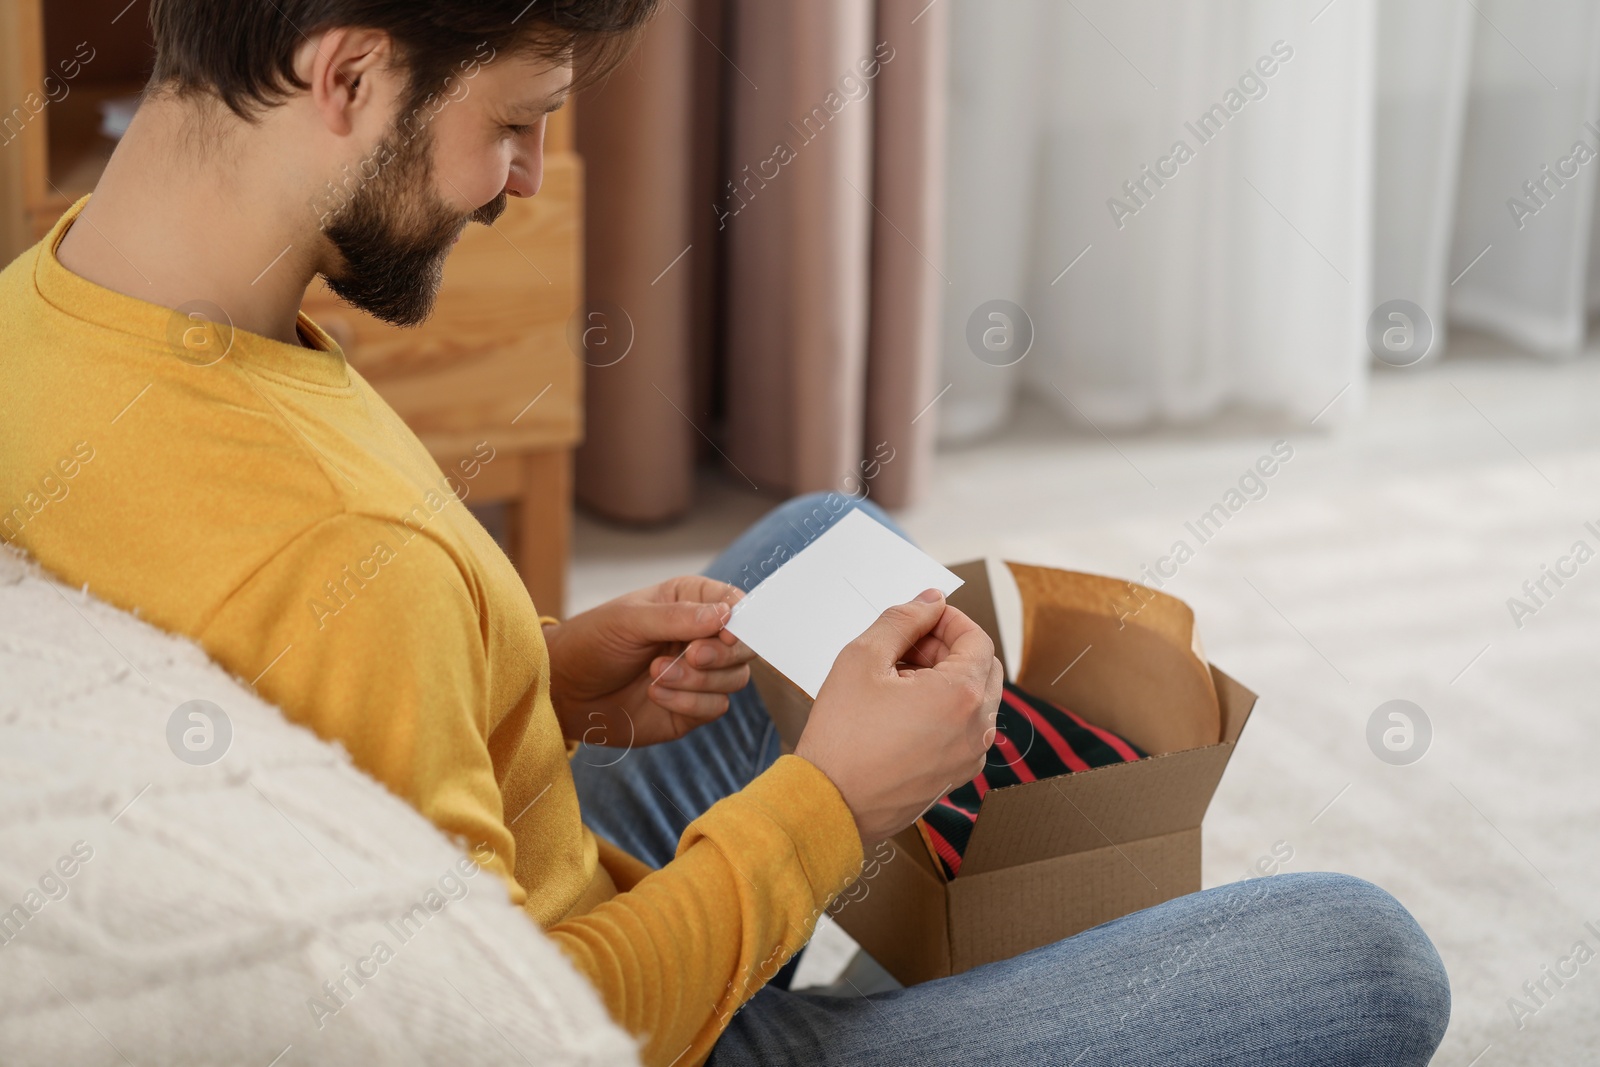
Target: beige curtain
(764, 211)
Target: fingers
(971, 649)
(896, 632)
(955, 626)
(699, 708)
(678, 621)
(698, 588)
(928, 651)
(714, 652)
(956, 648)
(686, 608)
(993, 690)
(667, 674)
(706, 654)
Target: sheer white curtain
(1533, 97)
(1424, 58)
(1200, 206)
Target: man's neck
(171, 223)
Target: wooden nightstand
(492, 364)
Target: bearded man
(229, 470)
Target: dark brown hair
(242, 51)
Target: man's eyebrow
(554, 102)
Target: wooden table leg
(543, 533)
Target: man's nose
(524, 181)
(527, 174)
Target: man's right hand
(906, 714)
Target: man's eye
(519, 131)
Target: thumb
(887, 640)
(679, 621)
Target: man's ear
(344, 67)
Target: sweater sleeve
(379, 642)
(369, 635)
(674, 957)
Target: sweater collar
(320, 363)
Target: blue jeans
(1313, 970)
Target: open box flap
(997, 916)
(897, 911)
(1109, 805)
(1133, 665)
(787, 704)
(1236, 702)
(1120, 803)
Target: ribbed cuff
(806, 805)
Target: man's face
(451, 157)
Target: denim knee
(783, 532)
(1391, 988)
(833, 504)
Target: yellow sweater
(272, 507)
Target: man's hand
(906, 714)
(649, 666)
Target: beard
(394, 235)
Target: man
(225, 497)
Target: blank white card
(803, 614)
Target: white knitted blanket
(171, 894)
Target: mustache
(488, 213)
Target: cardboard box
(1051, 858)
